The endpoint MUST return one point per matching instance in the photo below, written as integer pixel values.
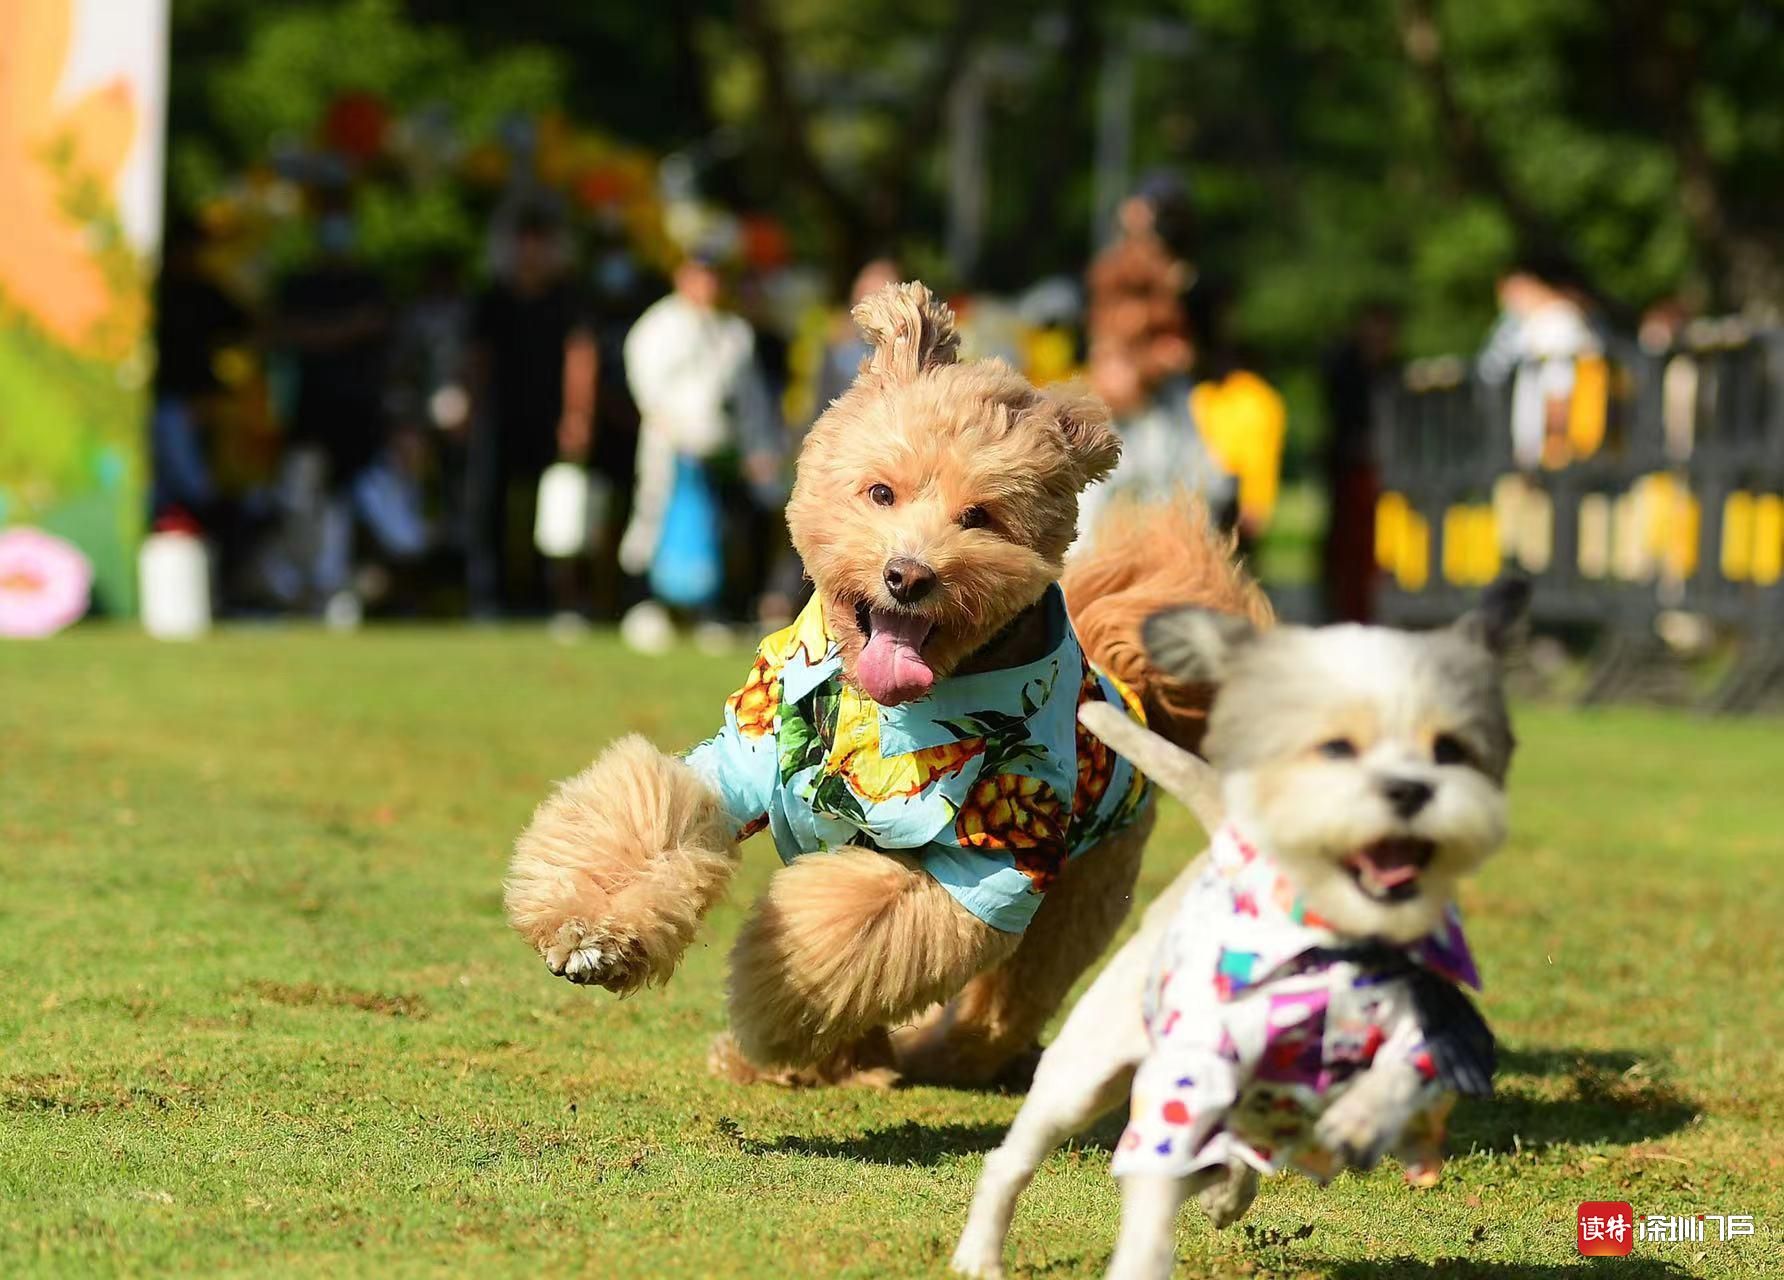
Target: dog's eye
(1338, 749)
(881, 494)
(974, 518)
(1449, 749)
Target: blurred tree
(1640, 135)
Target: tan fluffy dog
(933, 507)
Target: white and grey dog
(1291, 1000)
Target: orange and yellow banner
(82, 85)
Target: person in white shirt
(704, 416)
(1542, 330)
(685, 362)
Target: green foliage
(269, 99)
(398, 225)
(262, 1014)
(299, 59)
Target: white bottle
(174, 574)
(561, 520)
(572, 510)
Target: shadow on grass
(907, 1143)
(1566, 1096)
(1572, 1096)
(1467, 1269)
(922, 1144)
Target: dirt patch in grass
(312, 995)
(69, 1095)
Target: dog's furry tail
(1143, 559)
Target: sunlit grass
(259, 1012)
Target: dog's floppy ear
(1195, 645)
(1084, 421)
(910, 330)
(1497, 620)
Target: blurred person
(620, 288)
(337, 476)
(1663, 323)
(196, 324)
(532, 372)
(787, 588)
(1136, 317)
(426, 396)
(1050, 312)
(1139, 362)
(1661, 333)
(1539, 344)
(691, 367)
(194, 319)
(1349, 375)
(763, 574)
(847, 348)
(1242, 419)
(1163, 456)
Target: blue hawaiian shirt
(988, 780)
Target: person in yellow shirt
(1243, 421)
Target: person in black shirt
(620, 290)
(1349, 376)
(532, 381)
(193, 319)
(334, 320)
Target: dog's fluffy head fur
(965, 474)
(1369, 762)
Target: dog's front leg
(1147, 1245)
(1085, 1073)
(845, 943)
(612, 876)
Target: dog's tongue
(891, 667)
(1392, 862)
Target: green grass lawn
(259, 1011)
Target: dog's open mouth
(891, 668)
(1388, 870)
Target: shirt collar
(953, 708)
(1275, 927)
(799, 677)
(938, 717)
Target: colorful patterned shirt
(988, 779)
(1252, 1038)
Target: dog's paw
(1355, 1130)
(1423, 1175)
(590, 960)
(975, 1258)
(1225, 1200)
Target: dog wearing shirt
(957, 851)
(1295, 1000)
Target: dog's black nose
(908, 580)
(1407, 795)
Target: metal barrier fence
(1634, 488)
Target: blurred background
(432, 309)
